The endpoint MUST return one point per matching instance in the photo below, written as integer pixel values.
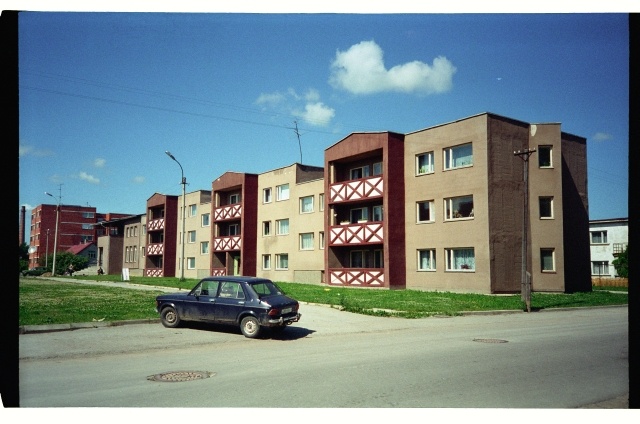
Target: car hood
(173, 296)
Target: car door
(201, 302)
(230, 302)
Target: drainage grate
(490, 340)
(175, 376)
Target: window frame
(279, 223)
(279, 257)
(364, 170)
(191, 237)
(449, 157)
(205, 220)
(603, 235)
(364, 215)
(373, 168)
(363, 258)
(603, 264)
(193, 210)
(266, 261)
(301, 244)
(191, 262)
(430, 167)
(204, 247)
(431, 260)
(450, 259)
(301, 203)
(267, 195)
(236, 232)
(280, 192)
(266, 228)
(374, 212)
(449, 208)
(543, 255)
(550, 206)
(541, 148)
(234, 198)
(431, 209)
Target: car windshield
(266, 288)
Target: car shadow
(287, 334)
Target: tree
(64, 259)
(621, 263)
(23, 257)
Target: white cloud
(316, 114)
(602, 137)
(270, 99)
(138, 180)
(88, 178)
(361, 70)
(26, 150)
(99, 162)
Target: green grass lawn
(45, 301)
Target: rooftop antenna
(298, 134)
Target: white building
(608, 238)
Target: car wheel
(169, 317)
(250, 327)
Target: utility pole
(298, 134)
(525, 285)
(55, 237)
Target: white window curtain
(464, 259)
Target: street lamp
(184, 185)
(46, 256)
(55, 237)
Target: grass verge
(45, 301)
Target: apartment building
(121, 245)
(162, 234)
(75, 226)
(443, 208)
(290, 238)
(197, 228)
(608, 238)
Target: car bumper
(282, 320)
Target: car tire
(169, 317)
(250, 327)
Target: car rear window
(266, 288)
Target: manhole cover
(489, 340)
(175, 376)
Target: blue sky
(103, 95)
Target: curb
(50, 328)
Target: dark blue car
(249, 302)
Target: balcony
(153, 272)
(218, 272)
(358, 277)
(155, 225)
(222, 244)
(361, 189)
(155, 249)
(356, 234)
(224, 213)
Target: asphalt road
(333, 359)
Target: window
(361, 172)
(234, 198)
(282, 227)
(87, 214)
(458, 156)
(424, 163)
(458, 207)
(266, 195)
(87, 226)
(427, 260)
(234, 229)
(204, 247)
(546, 207)
(462, 259)
(377, 168)
(360, 214)
(266, 228)
(306, 241)
(191, 263)
(600, 268)
(266, 261)
(598, 237)
(191, 236)
(377, 213)
(282, 261)
(321, 201)
(356, 259)
(193, 210)
(321, 237)
(306, 204)
(206, 220)
(282, 192)
(378, 259)
(547, 260)
(544, 157)
(425, 211)
(619, 248)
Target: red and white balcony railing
(353, 234)
(153, 272)
(227, 212)
(363, 188)
(155, 249)
(221, 244)
(361, 277)
(155, 225)
(218, 272)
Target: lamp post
(184, 184)
(55, 237)
(46, 256)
